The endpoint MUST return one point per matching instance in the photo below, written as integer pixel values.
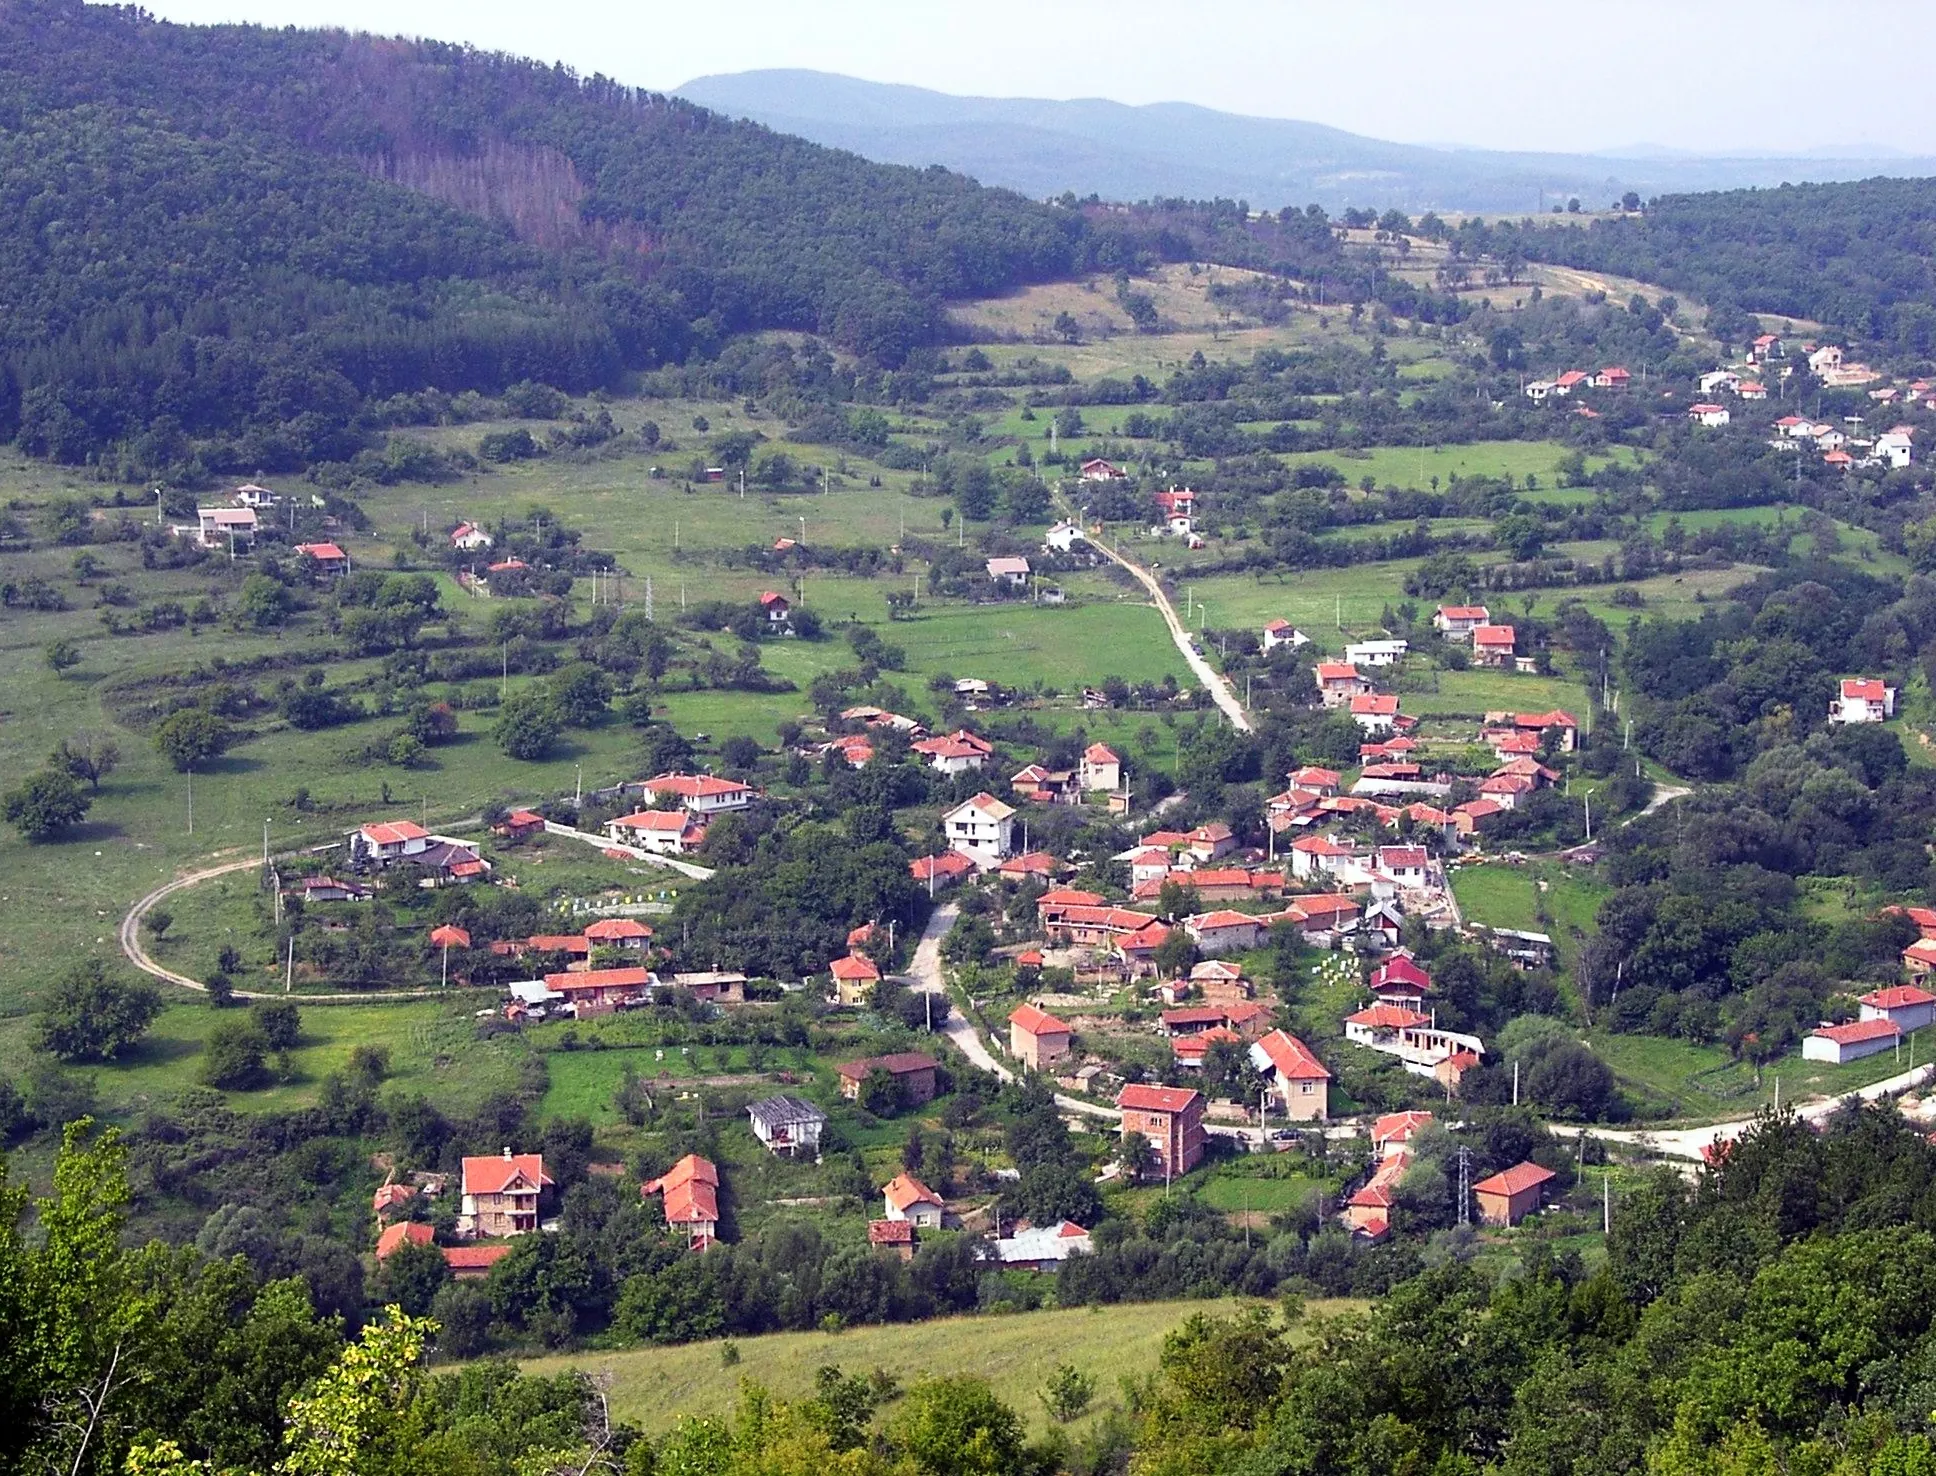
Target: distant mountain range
(1093, 146)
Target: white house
(388, 841)
(1717, 380)
(1905, 1006)
(1283, 633)
(777, 609)
(663, 832)
(1539, 389)
(220, 527)
(1376, 653)
(1863, 700)
(1706, 414)
(954, 753)
(907, 1198)
(1409, 866)
(1893, 447)
(1012, 570)
(250, 495)
(469, 537)
(1824, 360)
(702, 794)
(1314, 856)
(982, 829)
(1225, 931)
(1457, 622)
(1062, 538)
(1839, 1043)
(1101, 769)
(1375, 712)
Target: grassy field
(1497, 896)
(1704, 1083)
(1421, 466)
(655, 1387)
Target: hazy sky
(1780, 75)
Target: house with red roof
(1101, 769)
(1137, 950)
(691, 1199)
(383, 842)
(702, 794)
(1457, 622)
(1507, 1198)
(1615, 378)
(405, 1232)
(1036, 1038)
(775, 606)
(1837, 1044)
(1171, 1120)
(1863, 700)
(1570, 381)
(473, 1262)
(1339, 682)
(1089, 925)
(330, 560)
(469, 537)
(1044, 786)
(1095, 469)
(502, 1195)
(662, 832)
(1906, 1006)
(1319, 915)
(1409, 866)
(1393, 1133)
(519, 824)
(892, 1235)
(1375, 712)
(1189, 1050)
(981, 828)
(939, 872)
(390, 1198)
(1035, 866)
(1923, 917)
(1507, 789)
(1919, 958)
(1049, 906)
(907, 1198)
(600, 991)
(854, 979)
(1283, 633)
(1493, 645)
(618, 932)
(954, 753)
(1320, 855)
(1400, 981)
(1178, 509)
(1299, 1080)
(1318, 781)
(1472, 817)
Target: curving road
(1212, 679)
(130, 939)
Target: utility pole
(504, 675)
(648, 599)
(265, 842)
(1606, 1202)
(1515, 1083)
(191, 799)
(289, 965)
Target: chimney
(507, 1151)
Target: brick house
(1298, 1078)
(1507, 1198)
(913, 1073)
(1036, 1038)
(1171, 1118)
(691, 1190)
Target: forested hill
(239, 230)
(1858, 257)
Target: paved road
(1211, 678)
(1688, 1142)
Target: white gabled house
(982, 829)
(1863, 700)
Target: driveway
(1212, 679)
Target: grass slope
(656, 1387)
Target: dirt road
(1212, 679)
(139, 956)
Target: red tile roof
(1857, 1031)
(492, 1173)
(904, 1191)
(1398, 1127)
(1515, 1180)
(1388, 1017)
(1898, 997)
(853, 968)
(1068, 897)
(691, 1190)
(1141, 1098)
(1292, 1058)
(449, 936)
(1871, 689)
(474, 1257)
(594, 979)
(1036, 1021)
(1493, 635)
(387, 833)
(612, 928)
(404, 1232)
(890, 1232)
